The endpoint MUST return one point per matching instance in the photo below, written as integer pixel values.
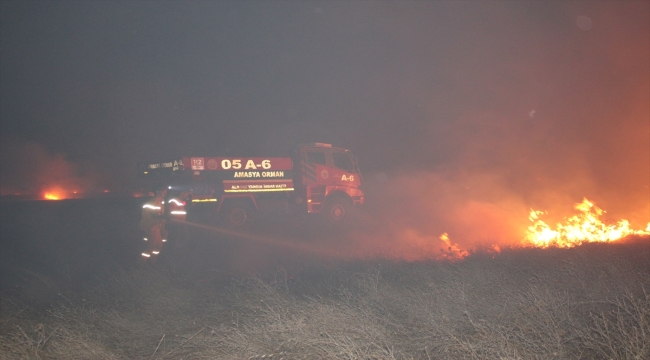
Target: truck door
(325, 169)
(344, 170)
(314, 175)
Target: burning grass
(584, 227)
(587, 302)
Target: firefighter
(175, 205)
(153, 224)
(176, 214)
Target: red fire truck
(316, 179)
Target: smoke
(544, 109)
(408, 213)
(29, 168)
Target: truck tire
(337, 210)
(237, 215)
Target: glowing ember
(584, 227)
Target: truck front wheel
(337, 209)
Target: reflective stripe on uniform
(145, 255)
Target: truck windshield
(345, 161)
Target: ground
(72, 288)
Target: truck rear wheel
(337, 209)
(237, 215)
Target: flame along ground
(581, 228)
(55, 194)
(453, 250)
(59, 193)
(51, 196)
(584, 227)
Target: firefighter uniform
(153, 224)
(176, 215)
(175, 207)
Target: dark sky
(538, 97)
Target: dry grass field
(590, 302)
(64, 299)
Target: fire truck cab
(316, 178)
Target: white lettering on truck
(250, 164)
(256, 174)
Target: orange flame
(54, 194)
(453, 251)
(50, 196)
(584, 227)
